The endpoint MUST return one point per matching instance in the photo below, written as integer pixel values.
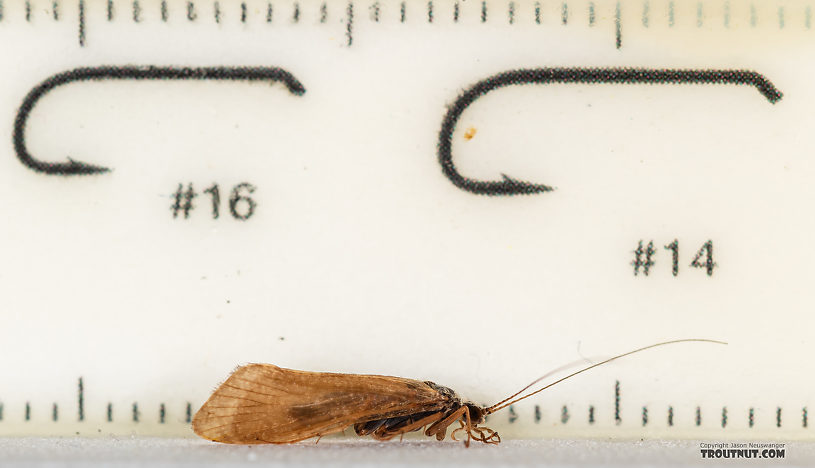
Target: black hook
(73, 167)
(510, 186)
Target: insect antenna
(509, 400)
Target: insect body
(263, 403)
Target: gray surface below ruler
(337, 452)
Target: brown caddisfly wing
(262, 403)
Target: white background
(363, 258)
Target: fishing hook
(511, 186)
(73, 167)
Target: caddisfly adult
(262, 403)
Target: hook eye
(512, 186)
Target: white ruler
(467, 192)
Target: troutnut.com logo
(742, 450)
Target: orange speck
(470, 133)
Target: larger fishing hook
(511, 186)
(73, 167)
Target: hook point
(79, 167)
(515, 186)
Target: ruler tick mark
(430, 11)
(269, 12)
(136, 11)
(751, 417)
(646, 7)
(781, 17)
(537, 12)
(617, 419)
(28, 11)
(724, 417)
(243, 12)
(349, 23)
(375, 12)
(55, 413)
(512, 415)
(217, 12)
(778, 417)
(564, 14)
(483, 12)
(753, 16)
(591, 414)
(162, 412)
(165, 14)
(455, 12)
(618, 26)
(511, 13)
(700, 14)
(189, 413)
(727, 14)
(55, 10)
(80, 400)
(110, 10)
(110, 412)
(1, 10)
(296, 15)
(671, 15)
(81, 23)
(804, 417)
(698, 416)
(27, 411)
(135, 412)
(644, 416)
(670, 416)
(191, 14)
(537, 413)
(323, 12)
(592, 15)
(564, 414)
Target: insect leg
(469, 428)
(439, 429)
(386, 433)
(460, 428)
(491, 437)
(363, 429)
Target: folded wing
(262, 403)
